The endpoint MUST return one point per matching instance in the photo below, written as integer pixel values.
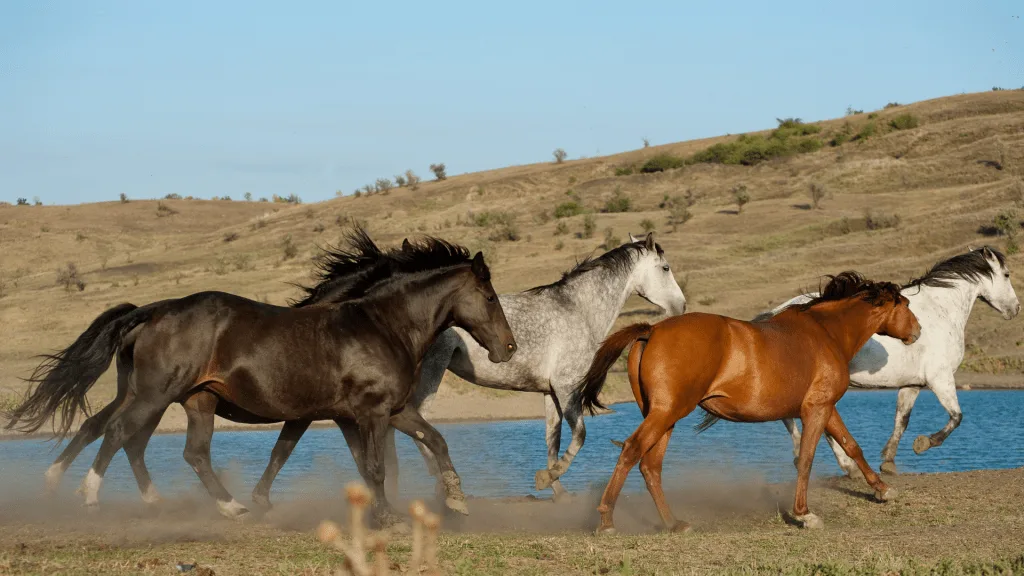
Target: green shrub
(625, 170)
(880, 220)
(866, 131)
(647, 224)
(561, 228)
(589, 225)
(568, 209)
(904, 122)
(619, 202)
(791, 137)
(662, 162)
(439, 171)
(559, 155)
(610, 239)
(741, 197)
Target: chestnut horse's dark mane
(850, 284)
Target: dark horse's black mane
(970, 266)
(345, 273)
(617, 259)
(849, 284)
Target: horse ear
(649, 242)
(406, 245)
(987, 252)
(633, 239)
(479, 267)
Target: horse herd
(368, 344)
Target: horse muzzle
(503, 354)
(913, 337)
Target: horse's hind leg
(837, 430)
(200, 408)
(646, 436)
(650, 467)
(905, 399)
(93, 426)
(135, 413)
(135, 449)
(290, 434)
(409, 421)
(944, 388)
(553, 436)
(90, 430)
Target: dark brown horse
(355, 361)
(793, 365)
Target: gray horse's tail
(584, 396)
(63, 379)
(708, 421)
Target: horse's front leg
(372, 430)
(905, 399)
(814, 419)
(837, 429)
(410, 422)
(290, 434)
(553, 438)
(945, 390)
(579, 435)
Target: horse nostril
(511, 347)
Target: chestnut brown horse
(788, 366)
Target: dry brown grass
(937, 178)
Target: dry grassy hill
(898, 199)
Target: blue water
(498, 459)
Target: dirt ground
(951, 523)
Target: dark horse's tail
(63, 379)
(584, 397)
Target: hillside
(897, 200)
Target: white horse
(942, 300)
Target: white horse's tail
(801, 299)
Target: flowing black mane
(347, 273)
(617, 259)
(970, 266)
(850, 284)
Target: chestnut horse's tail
(584, 396)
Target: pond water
(498, 459)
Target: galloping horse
(792, 365)
(558, 327)
(344, 273)
(942, 300)
(214, 352)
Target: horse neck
(600, 295)
(850, 322)
(416, 311)
(953, 304)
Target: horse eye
(665, 267)
(491, 298)
(1007, 275)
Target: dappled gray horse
(557, 327)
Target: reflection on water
(497, 459)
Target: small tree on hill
(741, 197)
(439, 171)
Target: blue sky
(215, 98)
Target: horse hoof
(91, 507)
(887, 495)
(53, 476)
(680, 527)
(606, 531)
(543, 480)
(854, 474)
(889, 467)
(561, 497)
(232, 509)
(399, 528)
(261, 501)
(922, 444)
(457, 506)
(151, 496)
(809, 521)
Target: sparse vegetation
(163, 210)
(399, 180)
(559, 155)
(843, 135)
(568, 209)
(850, 111)
(647, 224)
(817, 194)
(22, 202)
(679, 209)
(288, 248)
(741, 197)
(619, 202)
(36, 201)
(589, 225)
(289, 199)
(892, 105)
(124, 198)
(561, 228)
(248, 196)
(439, 171)
(1008, 225)
(880, 220)
(68, 277)
(662, 162)
(647, 143)
(231, 237)
(791, 137)
(707, 300)
(412, 180)
(559, 245)
(383, 185)
(903, 122)
(610, 239)
(868, 130)
(625, 170)
(319, 227)
(502, 225)
(172, 196)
